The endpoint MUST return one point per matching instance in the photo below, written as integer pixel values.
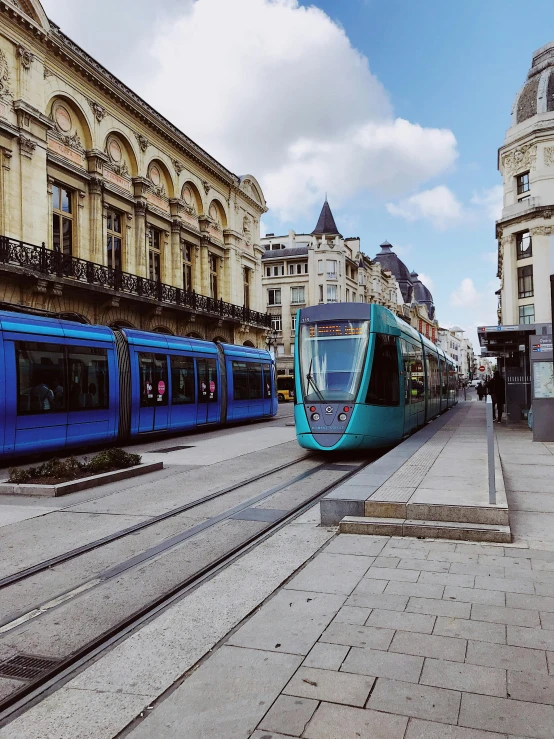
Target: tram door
(208, 391)
(153, 380)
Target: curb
(73, 486)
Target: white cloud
(491, 201)
(268, 87)
(263, 228)
(439, 206)
(473, 307)
(466, 295)
(427, 281)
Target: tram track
(172, 513)
(72, 663)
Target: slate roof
(295, 251)
(326, 223)
(422, 294)
(389, 260)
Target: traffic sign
(481, 369)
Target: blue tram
(364, 378)
(65, 384)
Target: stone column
(176, 271)
(140, 239)
(128, 260)
(5, 222)
(204, 268)
(96, 229)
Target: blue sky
(396, 109)
(454, 65)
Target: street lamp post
(271, 341)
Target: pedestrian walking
(497, 389)
(480, 390)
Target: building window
(321, 293)
(274, 297)
(305, 268)
(153, 237)
(291, 269)
(213, 277)
(278, 270)
(331, 269)
(276, 323)
(62, 219)
(299, 269)
(523, 184)
(331, 293)
(525, 281)
(297, 295)
(268, 271)
(524, 246)
(293, 323)
(115, 238)
(320, 266)
(246, 282)
(187, 267)
(347, 295)
(527, 313)
(280, 349)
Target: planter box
(64, 488)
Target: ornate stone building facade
(320, 267)
(416, 302)
(110, 213)
(525, 231)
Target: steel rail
(97, 543)
(28, 695)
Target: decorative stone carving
(26, 146)
(143, 141)
(178, 166)
(246, 229)
(206, 185)
(48, 73)
(98, 110)
(542, 230)
(72, 141)
(121, 169)
(25, 57)
(548, 156)
(519, 159)
(5, 90)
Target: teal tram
(364, 378)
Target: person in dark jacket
(497, 389)
(480, 390)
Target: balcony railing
(46, 262)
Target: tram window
(152, 379)
(88, 378)
(384, 386)
(255, 381)
(267, 380)
(418, 375)
(41, 377)
(406, 357)
(433, 376)
(247, 381)
(182, 379)
(212, 380)
(240, 380)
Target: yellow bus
(285, 388)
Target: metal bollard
(490, 449)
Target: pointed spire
(326, 223)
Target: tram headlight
(315, 416)
(342, 416)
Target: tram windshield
(332, 358)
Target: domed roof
(389, 260)
(537, 94)
(422, 294)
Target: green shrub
(71, 468)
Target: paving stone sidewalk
(384, 638)
(395, 638)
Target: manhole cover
(167, 449)
(26, 667)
